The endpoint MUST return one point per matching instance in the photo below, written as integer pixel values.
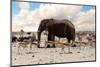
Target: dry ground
(51, 55)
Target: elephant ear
(50, 23)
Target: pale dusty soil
(51, 55)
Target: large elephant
(60, 28)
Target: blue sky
(32, 6)
(86, 8)
(15, 8)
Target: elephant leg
(70, 43)
(51, 37)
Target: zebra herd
(24, 40)
(30, 39)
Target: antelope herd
(30, 39)
(24, 40)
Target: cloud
(30, 20)
(86, 21)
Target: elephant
(60, 28)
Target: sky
(28, 15)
